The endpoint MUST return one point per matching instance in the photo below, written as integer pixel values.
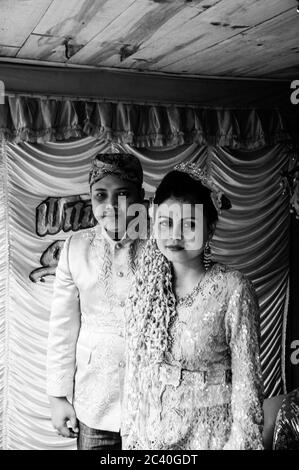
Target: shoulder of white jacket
(87, 235)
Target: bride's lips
(174, 247)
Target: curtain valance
(41, 119)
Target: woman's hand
(62, 413)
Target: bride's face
(180, 229)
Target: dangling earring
(207, 256)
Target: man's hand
(62, 413)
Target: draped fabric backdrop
(252, 236)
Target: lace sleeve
(128, 427)
(128, 421)
(286, 432)
(243, 335)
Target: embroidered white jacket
(86, 347)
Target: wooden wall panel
(8, 51)
(253, 53)
(127, 32)
(76, 20)
(188, 36)
(19, 18)
(248, 38)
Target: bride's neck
(187, 273)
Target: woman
(193, 371)
(286, 432)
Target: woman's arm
(243, 336)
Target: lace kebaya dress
(210, 382)
(286, 432)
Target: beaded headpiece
(123, 165)
(219, 200)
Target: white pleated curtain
(252, 236)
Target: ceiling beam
(129, 86)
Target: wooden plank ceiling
(227, 38)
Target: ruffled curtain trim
(27, 119)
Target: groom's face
(111, 198)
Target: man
(85, 359)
